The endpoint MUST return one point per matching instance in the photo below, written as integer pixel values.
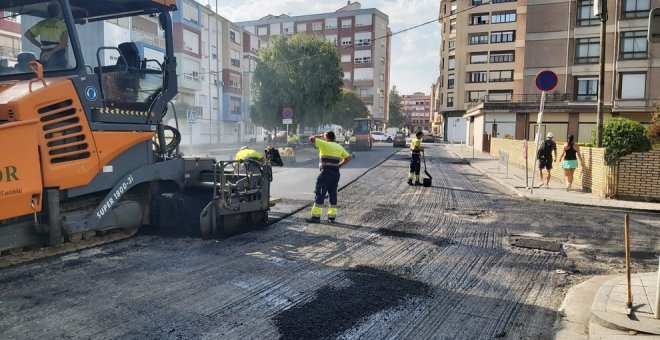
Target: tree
(349, 107)
(301, 72)
(396, 115)
(622, 136)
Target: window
(502, 1)
(476, 77)
(275, 29)
(500, 76)
(190, 42)
(287, 28)
(452, 44)
(450, 100)
(346, 41)
(587, 50)
(235, 81)
(632, 85)
(301, 27)
(452, 26)
(502, 56)
(587, 89)
(633, 45)
(478, 38)
(235, 58)
(500, 95)
(345, 58)
(478, 58)
(479, 19)
(585, 13)
(502, 17)
(262, 31)
(362, 57)
(347, 75)
(363, 20)
(363, 39)
(635, 8)
(501, 37)
(330, 23)
(331, 38)
(450, 81)
(475, 96)
(190, 12)
(451, 63)
(235, 105)
(478, 2)
(232, 36)
(346, 23)
(453, 7)
(316, 26)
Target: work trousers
(326, 183)
(415, 166)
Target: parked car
(378, 136)
(339, 138)
(399, 140)
(428, 138)
(304, 141)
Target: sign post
(545, 81)
(287, 119)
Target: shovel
(426, 181)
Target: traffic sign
(546, 81)
(191, 115)
(287, 113)
(287, 121)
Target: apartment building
(10, 39)
(416, 109)
(251, 46)
(362, 39)
(492, 53)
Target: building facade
(492, 53)
(416, 109)
(362, 38)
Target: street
(403, 262)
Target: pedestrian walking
(544, 155)
(416, 149)
(332, 156)
(572, 153)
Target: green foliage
(621, 137)
(508, 136)
(349, 107)
(654, 128)
(300, 71)
(395, 110)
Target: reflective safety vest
(416, 145)
(249, 154)
(292, 139)
(49, 32)
(330, 154)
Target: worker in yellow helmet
(247, 154)
(416, 149)
(332, 156)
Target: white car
(340, 138)
(378, 136)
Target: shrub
(622, 136)
(508, 136)
(654, 128)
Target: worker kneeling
(247, 155)
(332, 156)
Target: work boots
(313, 219)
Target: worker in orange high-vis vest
(332, 156)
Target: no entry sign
(546, 81)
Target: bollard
(657, 293)
(626, 220)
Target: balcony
(148, 39)
(556, 102)
(363, 82)
(9, 52)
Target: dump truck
(86, 157)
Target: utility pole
(600, 10)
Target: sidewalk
(515, 183)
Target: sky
(415, 53)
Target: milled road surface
(405, 262)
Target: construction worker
(292, 141)
(247, 154)
(416, 149)
(52, 37)
(332, 156)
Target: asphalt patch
(336, 310)
(534, 243)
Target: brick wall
(594, 176)
(639, 176)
